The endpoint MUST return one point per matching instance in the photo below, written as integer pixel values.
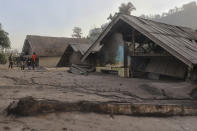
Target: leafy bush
(3, 58)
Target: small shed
(73, 55)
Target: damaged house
(48, 49)
(134, 46)
(73, 55)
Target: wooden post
(125, 55)
(133, 40)
(125, 59)
(133, 43)
(189, 73)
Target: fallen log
(29, 106)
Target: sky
(58, 17)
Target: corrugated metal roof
(82, 48)
(177, 40)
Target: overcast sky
(58, 17)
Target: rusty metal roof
(177, 40)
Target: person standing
(22, 61)
(29, 62)
(11, 62)
(34, 60)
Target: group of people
(30, 62)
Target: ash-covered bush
(3, 58)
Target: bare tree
(77, 32)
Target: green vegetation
(3, 58)
(4, 44)
(4, 39)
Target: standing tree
(4, 43)
(4, 39)
(94, 34)
(126, 8)
(77, 32)
(123, 9)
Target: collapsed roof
(49, 46)
(181, 42)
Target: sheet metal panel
(165, 66)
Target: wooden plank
(149, 55)
(167, 66)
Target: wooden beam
(125, 55)
(189, 73)
(141, 54)
(133, 40)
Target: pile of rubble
(81, 69)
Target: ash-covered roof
(177, 40)
(82, 48)
(49, 46)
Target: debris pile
(81, 69)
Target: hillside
(184, 16)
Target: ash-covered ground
(59, 85)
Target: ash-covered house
(73, 55)
(135, 46)
(48, 49)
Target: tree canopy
(77, 32)
(94, 34)
(4, 39)
(124, 8)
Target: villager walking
(11, 62)
(34, 60)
